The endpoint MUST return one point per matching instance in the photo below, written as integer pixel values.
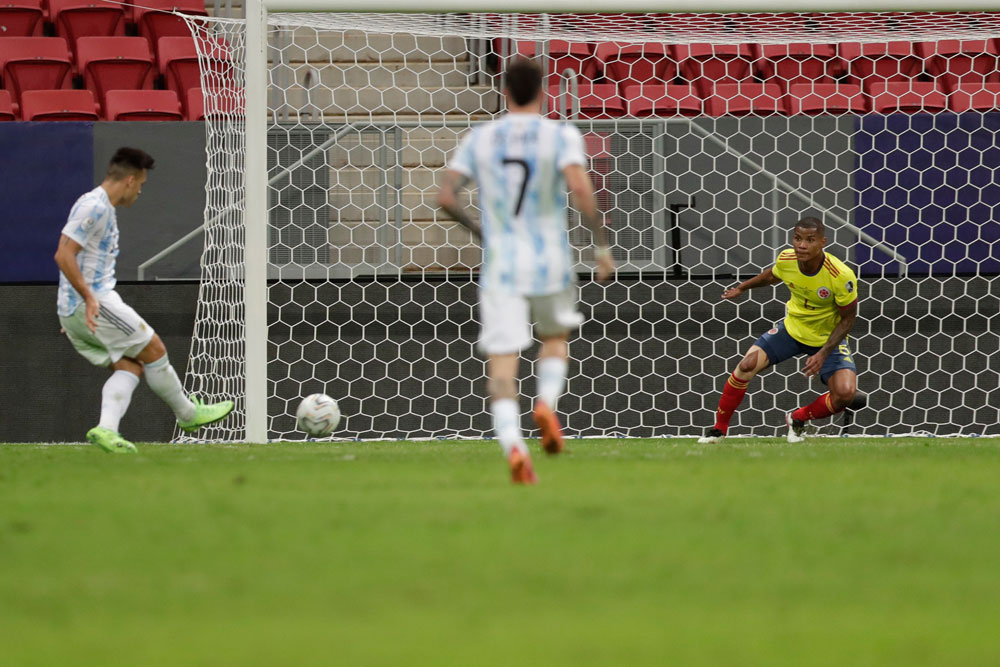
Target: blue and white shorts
(121, 332)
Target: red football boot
(521, 471)
(548, 424)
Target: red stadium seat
(6, 106)
(632, 64)
(596, 100)
(905, 97)
(800, 63)
(825, 98)
(34, 63)
(154, 25)
(178, 60)
(74, 19)
(564, 55)
(58, 105)
(194, 107)
(228, 101)
(148, 105)
(21, 18)
(975, 97)
(662, 100)
(705, 65)
(114, 63)
(741, 99)
(954, 62)
(884, 61)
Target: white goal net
(708, 137)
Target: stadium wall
(46, 166)
(51, 394)
(638, 334)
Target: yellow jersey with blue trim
(814, 307)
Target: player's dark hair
(524, 80)
(810, 222)
(128, 161)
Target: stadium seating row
(80, 105)
(602, 100)
(948, 62)
(72, 19)
(102, 64)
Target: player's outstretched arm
(766, 277)
(448, 201)
(66, 261)
(582, 192)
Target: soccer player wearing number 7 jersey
(821, 312)
(523, 164)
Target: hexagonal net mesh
(708, 137)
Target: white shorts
(506, 319)
(120, 331)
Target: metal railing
(657, 127)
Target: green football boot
(110, 441)
(206, 414)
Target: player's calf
(859, 401)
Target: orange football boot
(521, 471)
(548, 424)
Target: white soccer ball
(318, 415)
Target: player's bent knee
(128, 364)
(843, 386)
(842, 397)
(154, 350)
(755, 360)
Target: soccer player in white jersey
(102, 327)
(523, 165)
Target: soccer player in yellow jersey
(821, 312)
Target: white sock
(115, 397)
(506, 425)
(163, 380)
(551, 373)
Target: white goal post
(252, 361)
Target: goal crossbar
(677, 6)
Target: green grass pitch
(632, 552)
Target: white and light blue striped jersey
(92, 223)
(517, 161)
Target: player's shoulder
(97, 199)
(787, 255)
(568, 130)
(90, 204)
(476, 131)
(837, 268)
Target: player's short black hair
(127, 161)
(524, 80)
(809, 222)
